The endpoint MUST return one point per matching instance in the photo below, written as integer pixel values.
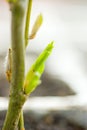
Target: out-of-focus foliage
(11, 0)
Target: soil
(46, 122)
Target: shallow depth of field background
(65, 22)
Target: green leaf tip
(44, 55)
(32, 79)
(36, 26)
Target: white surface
(46, 103)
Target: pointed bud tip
(52, 43)
(50, 46)
(40, 18)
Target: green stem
(17, 46)
(17, 96)
(13, 113)
(27, 24)
(21, 122)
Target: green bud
(32, 79)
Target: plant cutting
(22, 85)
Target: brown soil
(46, 122)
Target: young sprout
(32, 78)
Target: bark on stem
(17, 97)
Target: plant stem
(17, 96)
(13, 113)
(18, 57)
(27, 24)
(21, 122)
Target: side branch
(27, 24)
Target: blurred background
(65, 22)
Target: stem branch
(21, 122)
(27, 24)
